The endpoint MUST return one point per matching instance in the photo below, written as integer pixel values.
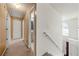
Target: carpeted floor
(18, 48)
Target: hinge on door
(6, 38)
(6, 28)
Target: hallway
(15, 29)
(18, 48)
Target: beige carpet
(18, 48)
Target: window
(65, 29)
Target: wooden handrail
(52, 41)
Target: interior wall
(49, 21)
(3, 14)
(31, 39)
(26, 28)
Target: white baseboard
(4, 52)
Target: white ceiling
(19, 12)
(66, 9)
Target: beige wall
(26, 29)
(3, 13)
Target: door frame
(12, 24)
(34, 9)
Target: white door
(7, 31)
(16, 29)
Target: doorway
(17, 29)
